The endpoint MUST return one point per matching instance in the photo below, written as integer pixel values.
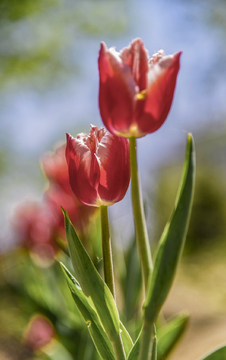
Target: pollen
(142, 95)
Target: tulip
(59, 192)
(136, 92)
(98, 165)
(35, 225)
(80, 215)
(55, 168)
(39, 333)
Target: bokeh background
(49, 86)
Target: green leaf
(169, 334)
(56, 351)
(172, 241)
(91, 283)
(219, 354)
(154, 348)
(63, 245)
(86, 307)
(126, 339)
(131, 280)
(134, 353)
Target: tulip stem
(106, 250)
(147, 350)
(139, 217)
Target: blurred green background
(49, 86)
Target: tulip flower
(59, 192)
(98, 165)
(136, 92)
(80, 215)
(39, 333)
(35, 226)
(55, 168)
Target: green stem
(146, 348)
(106, 250)
(139, 217)
(154, 346)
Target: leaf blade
(219, 354)
(92, 283)
(96, 330)
(169, 334)
(172, 240)
(126, 339)
(134, 352)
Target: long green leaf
(126, 339)
(131, 280)
(85, 306)
(134, 353)
(219, 354)
(169, 334)
(172, 241)
(91, 283)
(55, 351)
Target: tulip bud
(98, 165)
(136, 92)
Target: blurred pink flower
(39, 333)
(55, 168)
(79, 214)
(59, 192)
(35, 226)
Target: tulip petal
(84, 171)
(113, 153)
(54, 166)
(117, 91)
(152, 111)
(98, 166)
(136, 57)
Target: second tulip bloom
(98, 165)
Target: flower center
(142, 95)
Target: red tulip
(79, 214)
(59, 192)
(135, 92)
(39, 333)
(98, 166)
(35, 227)
(55, 168)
